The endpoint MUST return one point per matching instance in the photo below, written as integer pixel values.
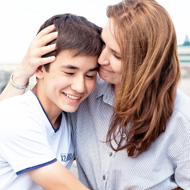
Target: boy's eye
(69, 73)
(89, 76)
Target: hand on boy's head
(33, 58)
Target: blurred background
(21, 19)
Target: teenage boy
(35, 137)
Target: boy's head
(75, 33)
(66, 82)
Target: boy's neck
(52, 112)
(57, 122)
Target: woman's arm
(56, 177)
(31, 61)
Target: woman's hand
(33, 58)
(31, 61)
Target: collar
(105, 90)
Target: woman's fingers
(46, 31)
(44, 40)
(43, 61)
(38, 47)
(45, 49)
(46, 35)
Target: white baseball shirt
(29, 141)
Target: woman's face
(110, 58)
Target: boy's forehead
(66, 59)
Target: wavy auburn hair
(150, 73)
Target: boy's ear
(40, 72)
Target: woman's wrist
(19, 81)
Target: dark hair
(75, 33)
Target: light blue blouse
(165, 166)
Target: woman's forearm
(10, 91)
(18, 86)
(31, 61)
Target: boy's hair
(75, 33)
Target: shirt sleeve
(24, 146)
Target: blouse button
(124, 135)
(110, 154)
(103, 177)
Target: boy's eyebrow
(70, 67)
(94, 69)
(77, 68)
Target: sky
(21, 19)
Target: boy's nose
(79, 85)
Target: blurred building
(184, 57)
(5, 72)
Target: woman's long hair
(150, 73)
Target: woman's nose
(104, 57)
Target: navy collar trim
(55, 130)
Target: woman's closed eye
(116, 56)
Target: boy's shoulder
(19, 111)
(17, 105)
(20, 119)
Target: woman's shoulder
(179, 122)
(182, 104)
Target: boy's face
(68, 82)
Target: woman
(138, 110)
(148, 136)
